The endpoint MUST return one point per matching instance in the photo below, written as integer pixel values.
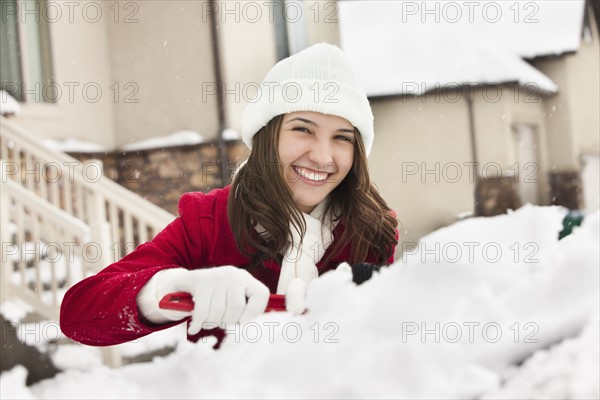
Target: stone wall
(162, 175)
(566, 189)
(493, 196)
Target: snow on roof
(8, 104)
(231, 134)
(179, 138)
(74, 145)
(408, 47)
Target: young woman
(301, 205)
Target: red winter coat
(102, 309)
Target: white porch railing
(38, 270)
(62, 206)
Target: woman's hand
(295, 295)
(222, 295)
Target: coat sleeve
(102, 310)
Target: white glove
(344, 268)
(295, 295)
(222, 295)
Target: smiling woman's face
(316, 152)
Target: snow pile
(179, 138)
(438, 323)
(8, 104)
(12, 384)
(569, 370)
(14, 310)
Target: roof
(408, 47)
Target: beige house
(469, 124)
(116, 73)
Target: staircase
(61, 220)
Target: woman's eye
(346, 138)
(301, 129)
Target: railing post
(101, 236)
(100, 228)
(111, 356)
(5, 240)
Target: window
(290, 19)
(281, 33)
(10, 68)
(26, 60)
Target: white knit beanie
(319, 79)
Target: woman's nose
(321, 154)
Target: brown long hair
(260, 195)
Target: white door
(527, 163)
(590, 177)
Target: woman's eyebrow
(308, 121)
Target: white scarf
(301, 255)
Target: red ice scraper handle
(182, 301)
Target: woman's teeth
(313, 176)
